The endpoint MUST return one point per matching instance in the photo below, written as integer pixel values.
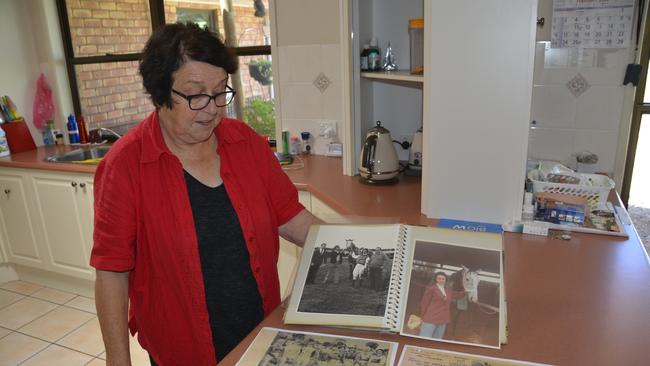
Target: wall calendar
(592, 23)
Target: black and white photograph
(349, 272)
(453, 294)
(280, 347)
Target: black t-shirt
(233, 299)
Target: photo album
(424, 282)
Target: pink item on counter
(43, 103)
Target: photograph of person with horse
(453, 294)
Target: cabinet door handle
(7, 190)
(82, 185)
(74, 184)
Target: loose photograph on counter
(274, 346)
(419, 356)
(454, 294)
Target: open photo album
(424, 282)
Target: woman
(434, 307)
(188, 208)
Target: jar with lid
(416, 40)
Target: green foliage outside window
(260, 115)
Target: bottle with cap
(73, 130)
(364, 57)
(374, 56)
(84, 138)
(306, 147)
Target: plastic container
(4, 146)
(416, 41)
(594, 187)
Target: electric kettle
(378, 161)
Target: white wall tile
(603, 76)
(599, 108)
(551, 144)
(330, 61)
(601, 143)
(332, 105)
(553, 106)
(301, 63)
(301, 101)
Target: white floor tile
(24, 311)
(96, 362)
(86, 339)
(16, 348)
(56, 324)
(82, 303)
(8, 298)
(58, 356)
(139, 357)
(25, 288)
(59, 297)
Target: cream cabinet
(64, 205)
(16, 221)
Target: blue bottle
(73, 130)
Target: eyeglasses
(199, 101)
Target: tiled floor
(43, 326)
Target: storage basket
(594, 187)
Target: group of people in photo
(303, 350)
(351, 264)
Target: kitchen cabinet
(473, 100)
(16, 221)
(394, 98)
(64, 205)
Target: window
(103, 41)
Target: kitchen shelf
(393, 75)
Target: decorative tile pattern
(322, 82)
(577, 85)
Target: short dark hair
(169, 47)
(440, 273)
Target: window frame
(157, 14)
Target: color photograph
(453, 294)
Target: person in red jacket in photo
(434, 307)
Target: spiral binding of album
(394, 303)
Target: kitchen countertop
(321, 176)
(35, 159)
(583, 301)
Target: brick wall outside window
(112, 93)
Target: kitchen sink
(83, 155)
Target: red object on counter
(19, 138)
(84, 138)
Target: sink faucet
(110, 132)
(97, 135)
